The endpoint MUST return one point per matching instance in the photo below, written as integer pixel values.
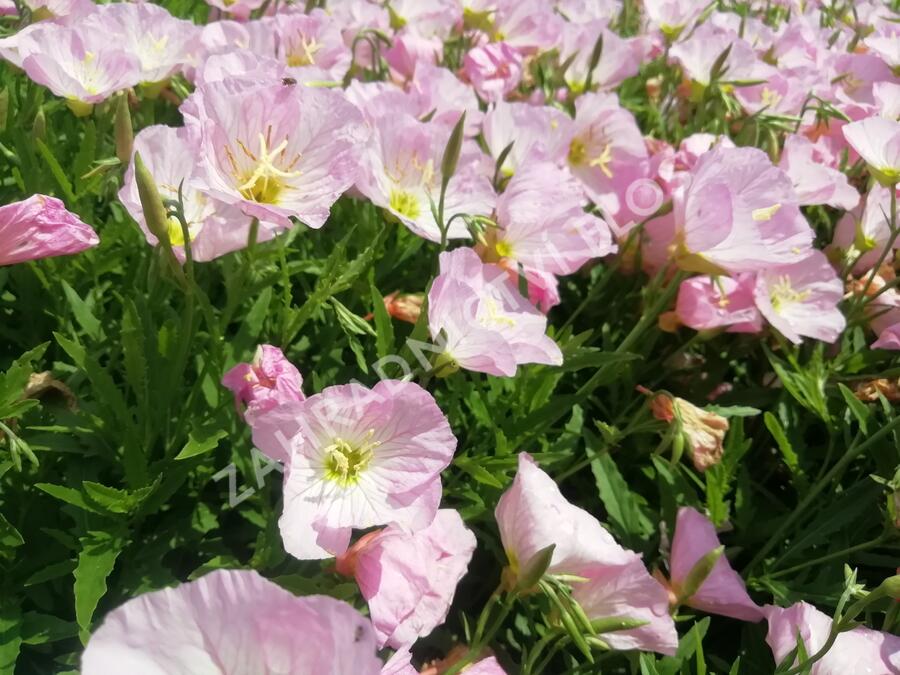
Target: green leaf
(201, 441)
(68, 495)
(10, 538)
(114, 500)
(96, 560)
(859, 410)
(15, 379)
(733, 410)
(384, 328)
(622, 505)
(10, 635)
(56, 170)
(477, 471)
(534, 569)
(38, 629)
(50, 572)
(353, 324)
(784, 445)
(82, 311)
(593, 358)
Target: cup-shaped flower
(312, 41)
(239, 9)
(402, 174)
(279, 151)
(860, 650)
(235, 622)
(533, 515)
(480, 320)
(214, 228)
(862, 234)
(494, 69)
(409, 578)
(41, 227)
(82, 66)
(738, 214)
(359, 458)
(722, 591)
(719, 302)
(814, 181)
(618, 57)
(802, 299)
(529, 131)
(269, 381)
(877, 140)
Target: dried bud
(869, 391)
(404, 306)
(703, 431)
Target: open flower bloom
(482, 323)
(877, 140)
(706, 303)
(802, 299)
(494, 70)
(704, 431)
(409, 579)
(607, 152)
(862, 233)
(400, 664)
(359, 457)
(402, 174)
(528, 25)
(161, 43)
(738, 214)
(214, 228)
(723, 591)
(41, 227)
(81, 65)
(888, 338)
(860, 650)
(541, 224)
(814, 181)
(278, 151)
(268, 382)
(531, 132)
(231, 621)
(312, 41)
(239, 9)
(532, 515)
(672, 16)
(699, 53)
(619, 58)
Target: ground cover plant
(443, 336)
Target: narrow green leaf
(858, 409)
(10, 635)
(68, 495)
(621, 503)
(478, 472)
(82, 312)
(201, 441)
(96, 560)
(384, 328)
(38, 629)
(56, 170)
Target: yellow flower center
(765, 214)
(494, 317)
(580, 155)
(265, 183)
(405, 203)
(344, 463)
(782, 294)
(304, 53)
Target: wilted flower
(269, 381)
(409, 578)
(722, 591)
(41, 227)
(231, 621)
(533, 515)
(359, 457)
(404, 306)
(485, 324)
(704, 431)
(860, 650)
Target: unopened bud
(79, 108)
(533, 570)
(123, 132)
(452, 152)
(152, 204)
(699, 573)
(39, 128)
(891, 587)
(4, 107)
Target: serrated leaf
(353, 324)
(857, 408)
(115, 500)
(478, 472)
(621, 503)
(68, 495)
(96, 560)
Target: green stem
(852, 453)
(831, 556)
(486, 635)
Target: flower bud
(154, 210)
(39, 128)
(703, 431)
(123, 130)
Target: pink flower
(170, 156)
(862, 233)
(358, 458)
(239, 9)
(312, 41)
(715, 302)
(161, 43)
(532, 515)
(535, 132)
(802, 299)
(738, 214)
(402, 174)
(607, 152)
(699, 53)
(723, 592)
(429, 18)
(484, 324)
(232, 621)
(268, 382)
(81, 65)
(409, 579)
(494, 70)
(41, 227)
(407, 50)
(672, 16)
(877, 140)
(861, 650)
(619, 58)
(814, 181)
(278, 151)
(888, 338)
(528, 25)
